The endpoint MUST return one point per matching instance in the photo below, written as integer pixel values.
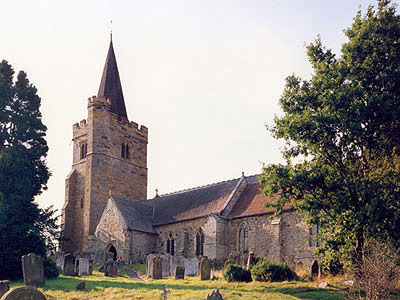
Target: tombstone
(291, 262)
(91, 267)
(60, 260)
(80, 286)
(166, 265)
(214, 295)
(4, 287)
(175, 261)
(32, 268)
(109, 255)
(156, 272)
(180, 272)
(83, 267)
(251, 261)
(76, 266)
(205, 269)
(191, 266)
(25, 292)
(149, 264)
(69, 265)
(108, 268)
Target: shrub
(236, 273)
(50, 268)
(265, 270)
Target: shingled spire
(110, 85)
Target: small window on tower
(82, 203)
(83, 150)
(123, 150)
(127, 151)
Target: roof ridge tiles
(195, 188)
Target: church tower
(109, 156)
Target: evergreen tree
(342, 129)
(23, 171)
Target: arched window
(123, 150)
(315, 236)
(199, 242)
(170, 245)
(127, 151)
(83, 150)
(243, 239)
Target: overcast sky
(204, 76)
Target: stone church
(106, 207)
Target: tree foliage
(342, 129)
(23, 172)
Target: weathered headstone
(251, 260)
(166, 264)
(4, 287)
(32, 268)
(180, 272)
(80, 286)
(214, 295)
(83, 267)
(22, 293)
(60, 260)
(69, 265)
(108, 268)
(76, 267)
(149, 265)
(157, 267)
(91, 267)
(191, 266)
(177, 260)
(205, 269)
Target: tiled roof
(192, 203)
(251, 202)
(136, 214)
(110, 85)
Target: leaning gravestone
(60, 260)
(91, 267)
(69, 265)
(180, 272)
(32, 268)
(83, 267)
(22, 293)
(157, 267)
(205, 269)
(4, 287)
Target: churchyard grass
(100, 287)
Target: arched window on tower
(123, 150)
(200, 243)
(83, 150)
(127, 151)
(243, 239)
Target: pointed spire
(110, 85)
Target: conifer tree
(23, 171)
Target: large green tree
(342, 131)
(23, 172)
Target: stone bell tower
(109, 155)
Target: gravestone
(69, 265)
(166, 264)
(251, 260)
(214, 295)
(80, 286)
(175, 261)
(76, 267)
(191, 266)
(22, 293)
(180, 272)
(205, 269)
(60, 260)
(4, 287)
(157, 267)
(149, 264)
(91, 267)
(108, 268)
(32, 268)
(290, 262)
(165, 292)
(83, 267)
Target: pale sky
(204, 76)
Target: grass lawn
(100, 287)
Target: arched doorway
(315, 269)
(112, 249)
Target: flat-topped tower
(109, 156)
